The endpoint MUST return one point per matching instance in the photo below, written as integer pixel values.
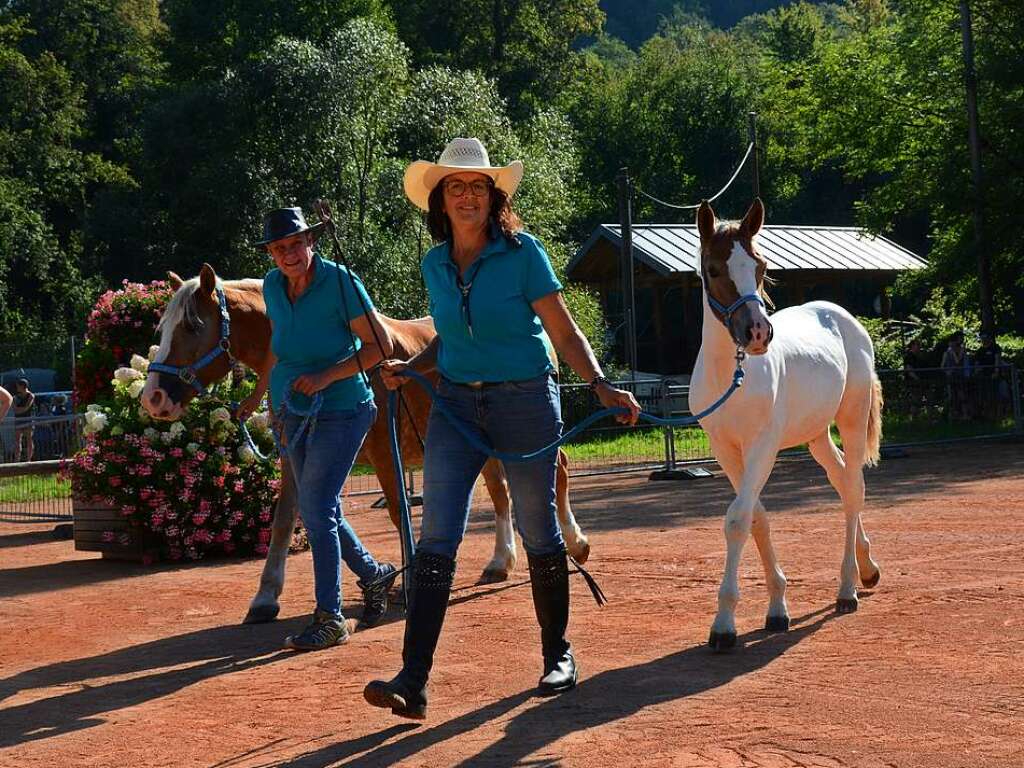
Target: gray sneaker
(325, 631)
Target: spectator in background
(995, 391)
(24, 406)
(914, 359)
(956, 366)
(61, 426)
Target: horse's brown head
(189, 329)
(732, 269)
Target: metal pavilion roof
(674, 248)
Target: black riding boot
(406, 693)
(549, 578)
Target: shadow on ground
(597, 701)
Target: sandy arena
(108, 664)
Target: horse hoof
(777, 624)
(493, 576)
(261, 614)
(871, 581)
(581, 552)
(722, 641)
(846, 605)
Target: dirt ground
(107, 664)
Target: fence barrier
(921, 406)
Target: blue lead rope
(306, 428)
(405, 516)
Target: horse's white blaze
(818, 368)
(742, 270)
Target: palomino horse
(189, 332)
(819, 368)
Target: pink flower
(107, 536)
(205, 507)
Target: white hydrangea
(150, 434)
(246, 455)
(152, 353)
(259, 422)
(95, 422)
(93, 407)
(136, 387)
(140, 364)
(127, 375)
(219, 414)
(177, 429)
(192, 448)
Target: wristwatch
(594, 382)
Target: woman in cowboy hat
(497, 306)
(320, 321)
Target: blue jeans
(321, 465)
(516, 417)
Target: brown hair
(502, 215)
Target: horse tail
(872, 451)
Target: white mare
(808, 366)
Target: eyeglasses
(457, 188)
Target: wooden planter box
(94, 518)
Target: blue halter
(727, 312)
(187, 373)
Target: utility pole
(974, 144)
(626, 250)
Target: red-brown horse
(190, 328)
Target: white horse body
(809, 366)
(819, 352)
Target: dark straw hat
(286, 222)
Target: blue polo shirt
(494, 335)
(314, 333)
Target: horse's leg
(758, 461)
(834, 463)
(504, 559)
(575, 540)
(265, 606)
(777, 619)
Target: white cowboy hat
(460, 156)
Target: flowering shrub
(194, 483)
(121, 323)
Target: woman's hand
(249, 406)
(611, 397)
(311, 383)
(390, 373)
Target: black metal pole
(752, 138)
(974, 144)
(628, 299)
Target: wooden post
(628, 300)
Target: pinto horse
(189, 332)
(809, 365)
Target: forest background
(138, 136)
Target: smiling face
(292, 255)
(731, 267)
(471, 208)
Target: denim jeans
(321, 465)
(516, 417)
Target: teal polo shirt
(314, 333)
(494, 335)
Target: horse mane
(182, 307)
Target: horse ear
(175, 281)
(207, 279)
(754, 219)
(706, 222)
